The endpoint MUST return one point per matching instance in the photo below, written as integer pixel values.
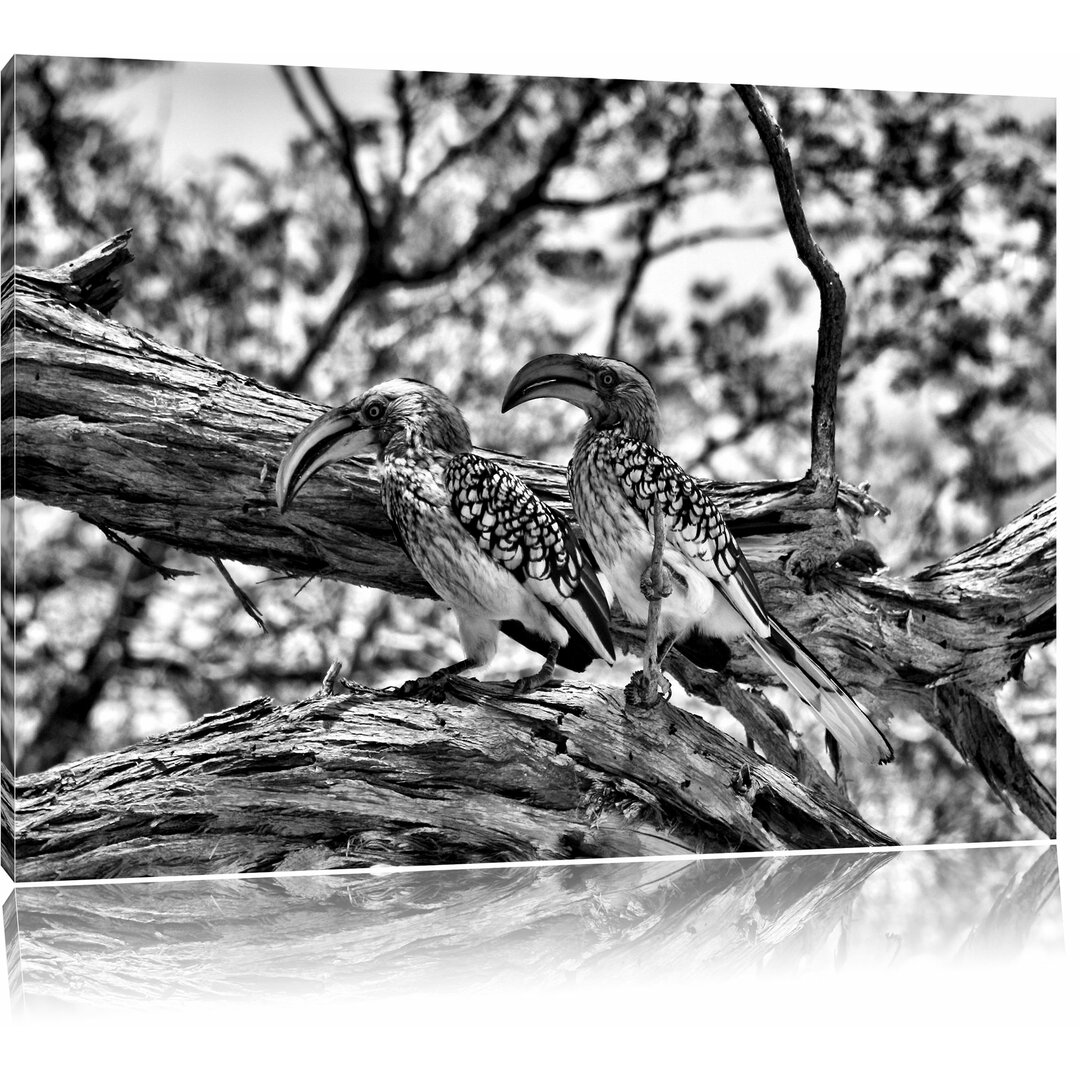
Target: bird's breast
(417, 502)
(620, 540)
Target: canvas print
(433, 468)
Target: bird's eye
(374, 410)
(606, 380)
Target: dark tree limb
(155, 442)
(480, 140)
(648, 217)
(359, 779)
(831, 288)
(345, 152)
(557, 150)
(378, 268)
(300, 104)
(713, 233)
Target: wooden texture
(147, 440)
(363, 778)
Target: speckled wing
(533, 542)
(695, 526)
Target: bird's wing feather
(694, 524)
(533, 542)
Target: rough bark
(364, 778)
(148, 440)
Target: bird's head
(612, 393)
(388, 418)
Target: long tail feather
(856, 733)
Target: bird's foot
(651, 592)
(643, 692)
(527, 683)
(431, 687)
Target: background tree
(452, 226)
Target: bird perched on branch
(616, 478)
(501, 558)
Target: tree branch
(647, 221)
(558, 149)
(342, 148)
(715, 232)
(830, 287)
(478, 142)
(368, 778)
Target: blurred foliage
(450, 227)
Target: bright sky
(202, 110)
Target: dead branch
(367, 778)
(831, 288)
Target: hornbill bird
(616, 476)
(501, 558)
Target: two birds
(505, 561)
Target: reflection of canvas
(715, 921)
(174, 630)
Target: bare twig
(647, 220)
(716, 232)
(479, 141)
(656, 574)
(324, 335)
(636, 192)
(167, 572)
(302, 106)
(345, 149)
(372, 274)
(830, 287)
(245, 601)
(647, 687)
(558, 149)
(406, 120)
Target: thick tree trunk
(363, 778)
(148, 440)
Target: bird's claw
(651, 592)
(431, 687)
(527, 683)
(644, 693)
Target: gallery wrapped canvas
(822, 615)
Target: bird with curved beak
(501, 558)
(616, 477)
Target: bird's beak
(334, 436)
(556, 375)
